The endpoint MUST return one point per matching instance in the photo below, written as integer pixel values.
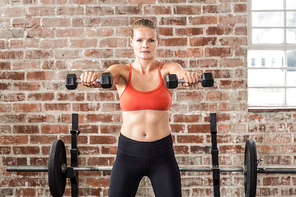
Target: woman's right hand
(89, 79)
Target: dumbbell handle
(79, 81)
(183, 81)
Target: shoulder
(171, 67)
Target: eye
(139, 40)
(151, 40)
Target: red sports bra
(158, 99)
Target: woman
(145, 142)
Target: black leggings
(135, 160)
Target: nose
(145, 44)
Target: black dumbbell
(207, 80)
(106, 81)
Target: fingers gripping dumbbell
(71, 82)
(207, 80)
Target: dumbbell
(207, 80)
(106, 81)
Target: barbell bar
(44, 168)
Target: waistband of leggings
(145, 149)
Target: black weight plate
(57, 179)
(250, 169)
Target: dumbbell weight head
(70, 82)
(207, 80)
(106, 81)
(171, 81)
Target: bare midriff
(145, 125)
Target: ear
(158, 40)
(131, 41)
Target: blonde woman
(145, 145)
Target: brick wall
(43, 40)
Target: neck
(144, 66)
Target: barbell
(58, 171)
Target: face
(144, 42)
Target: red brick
(203, 107)
(11, 55)
(219, 30)
(231, 149)
(240, 8)
(14, 12)
(14, 161)
(28, 129)
(54, 129)
(70, 32)
(128, 10)
(41, 96)
(177, 128)
(83, 1)
(110, 129)
(41, 11)
(5, 65)
(99, 10)
(42, 139)
(57, 106)
(32, 43)
(192, 96)
(240, 30)
(109, 150)
(100, 96)
(173, 42)
(186, 118)
(99, 53)
(141, 1)
(190, 139)
(199, 128)
(8, 140)
(204, 20)
(40, 118)
(113, 42)
(98, 118)
(217, 95)
(40, 32)
(220, 52)
(39, 54)
(69, 54)
(40, 75)
(70, 10)
(28, 86)
(115, 21)
(203, 41)
(27, 107)
(103, 140)
(157, 10)
(27, 150)
(5, 150)
(101, 32)
(98, 182)
(70, 96)
(12, 97)
(187, 10)
(189, 31)
(171, 1)
(12, 75)
(83, 43)
(128, 53)
(173, 21)
(56, 22)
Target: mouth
(145, 52)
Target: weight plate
(250, 167)
(57, 179)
